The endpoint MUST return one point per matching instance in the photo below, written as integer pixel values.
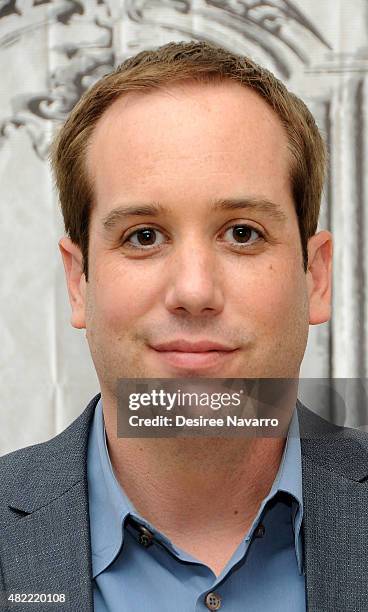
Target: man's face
(200, 271)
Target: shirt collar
(109, 506)
(289, 480)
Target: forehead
(195, 138)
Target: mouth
(195, 359)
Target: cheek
(276, 297)
(121, 298)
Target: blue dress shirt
(135, 570)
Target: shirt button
(260, 531)
(213, 601)
(145, 537)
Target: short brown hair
(170, 63)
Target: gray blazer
(44, 526)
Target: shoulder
(343, 450)
(51, 463)
(314, 426)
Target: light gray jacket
(44, 526)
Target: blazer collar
(51, 468)
(341, 450)
(335, 523)
(45, 539)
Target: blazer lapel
(335, 523)
(45, 543)
(47, 551)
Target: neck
(202, 493)
(216, 483)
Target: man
(190, 183)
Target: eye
(243, 234)
(145, 238)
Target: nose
(194, 282)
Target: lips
(204, 355)
(185, 346)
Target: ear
(319, 277)
(76, 282)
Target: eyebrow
(154, 209)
